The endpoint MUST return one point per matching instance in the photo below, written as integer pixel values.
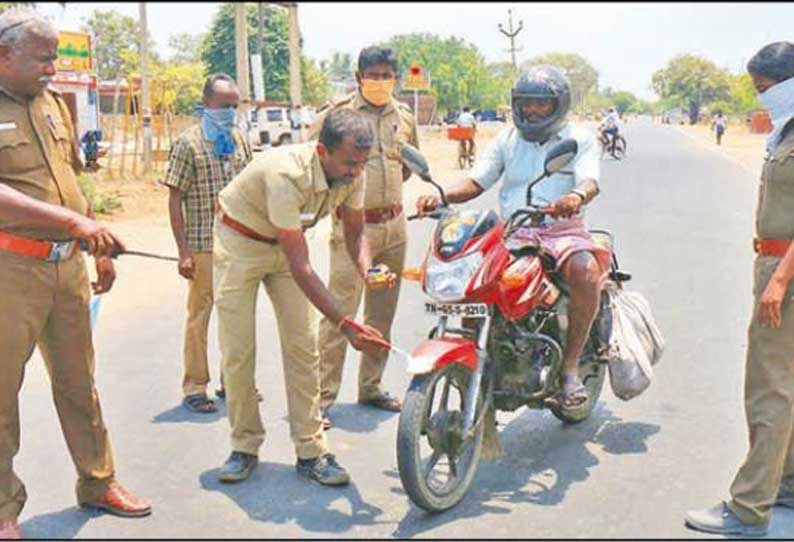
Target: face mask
(217, 126)
(778, 100)
(377, 91)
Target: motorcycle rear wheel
(420, 428)
(593, 376)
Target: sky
(625, 42)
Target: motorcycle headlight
(447, 281)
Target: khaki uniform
(45, 304)
(387, 242)
(284, 188)
(769, 371)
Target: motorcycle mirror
(414, 161)
(560, 155)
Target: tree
(339, 68)
(314, 83)
(186, 47)
(692, 80)
(583, 76)
(181, 84)
(218, 52)
(116, 44)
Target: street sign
(74, 52)
(417, 78)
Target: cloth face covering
(377, 91)
(778, 100)
(217, 126)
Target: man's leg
(583, 275)
(297, 327)
(199, 310)
(379, 309)
(26, 289)
(346, 286)
(68, 352)
(237, 272)
(769, 407)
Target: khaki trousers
(45, 304)
(199, 310)
(769, 407)
(387, 245)
(240, 265)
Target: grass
(101, 203)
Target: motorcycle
(507, 351)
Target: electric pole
(146, 105)
(294, 54)
(511, 33)
(241, 53)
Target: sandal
(572, 395)
(199, 403)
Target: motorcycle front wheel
(436, 464)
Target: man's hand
(379, 277)
(427, 204)
(187, 266)
(364, 338)
(769, 307)
(106, 275)
(101, 242)
(566, 206)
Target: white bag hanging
(635, 342)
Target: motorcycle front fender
(434, 354)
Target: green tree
(583, 76)
(183, 86)
(314, 83)
(694, 81)
(623, 101)
(116, 44)
(339, 68)
(186, 47)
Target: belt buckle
(60, 250)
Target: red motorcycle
(507, 350)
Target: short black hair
(345, 122)
(775, 61)
(374, 55)
(209, 84)
(466, 109)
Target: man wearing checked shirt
(540, 103)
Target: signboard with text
(74, 52)
(417, 78)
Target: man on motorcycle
(609, 127)
(541, 98)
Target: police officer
(384, 229)
(44, 284)
(766, 478)
(259, 239)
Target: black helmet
(541, 82)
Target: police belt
(50, 251)
(771, 247)
(245, 230)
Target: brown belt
(51, 251)
(771, 247)
(378, 215)
(245, 230)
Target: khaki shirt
(774, 218)
(38, 155)
(285, 188)
(394, 124)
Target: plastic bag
(634, 342)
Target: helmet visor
(534, 108)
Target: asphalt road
(682, 217)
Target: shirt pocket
(780, 169)
(17, 152)
(60, 136)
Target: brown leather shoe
(10, 530)
(384, 401)
(120, 502)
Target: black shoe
(238, 467)
(323, 469)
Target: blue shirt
(516, 162)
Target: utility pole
(294, 54)
(241, 54)
(258, 57)
(511, 33)
(146, 106)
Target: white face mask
(778, 100)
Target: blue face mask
(217, 126)
(778, 100)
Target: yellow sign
(417, 78)
(74, 52)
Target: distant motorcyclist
(541, 99)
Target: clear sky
(626, 42)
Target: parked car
(489, 115)
(269, 126)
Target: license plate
(467, 310)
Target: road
(682, 217)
